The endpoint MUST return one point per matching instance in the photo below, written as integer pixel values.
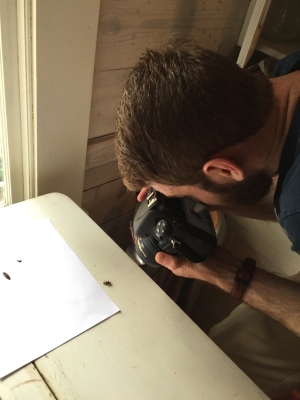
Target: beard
(247, 193)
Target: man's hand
(219, 268)
(143, 194)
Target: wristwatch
(243, 278)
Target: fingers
(143, 194)
(162, 259)
(178, 265)
(169, 261)
(218, 268)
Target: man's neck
(262, 151)
(286, 91)
(270, 140)
(264, 210)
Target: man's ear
(221, 170)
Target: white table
(150, 350)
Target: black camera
(173, 225)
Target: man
(192, 123)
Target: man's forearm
(277, 297)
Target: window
(2, 182)
(11, 162)
(46, 129)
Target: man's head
(180, 106)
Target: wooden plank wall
(126, 28)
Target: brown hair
(181, 105)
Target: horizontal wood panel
(101, 162)
(108, 201)
(105, 172)
(100, 151)
(107, 90)
(118, 230)
(126, 28)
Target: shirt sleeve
(291, 225)
(288, 64)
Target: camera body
(172, 225)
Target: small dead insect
(107, 283)
(6, 275)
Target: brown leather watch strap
(243, 278)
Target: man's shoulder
(290, 226)
(288, 64)
(289, 205)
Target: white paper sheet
(50, 297)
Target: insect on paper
(47, 295)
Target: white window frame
(48, 51)
(10, 103)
